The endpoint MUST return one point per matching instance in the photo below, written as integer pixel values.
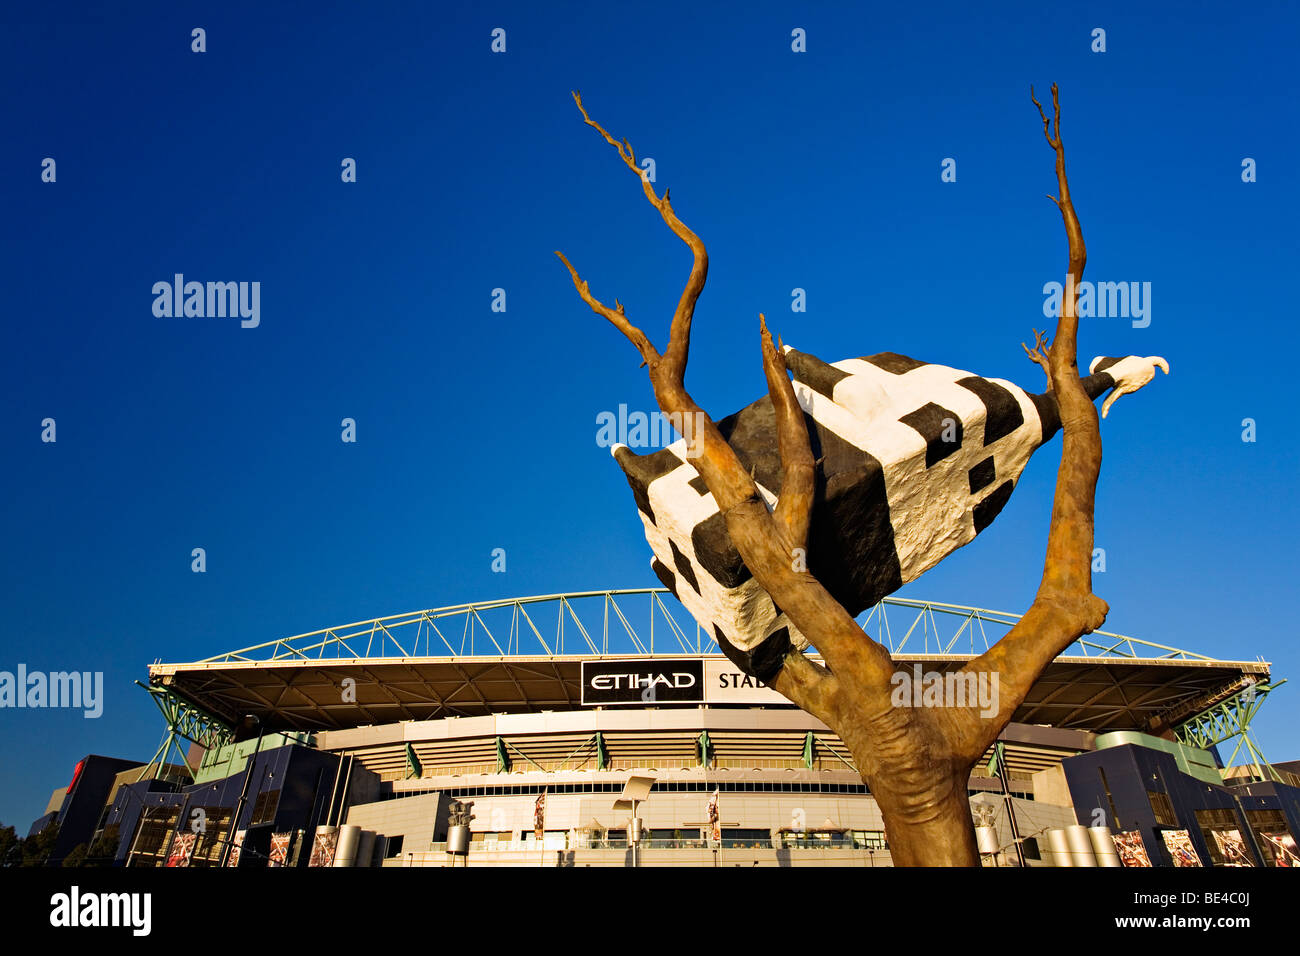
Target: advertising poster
(280, 848)
(322, 850)
(539, 816)
(182, 849)
(1179, 845)
(1132, 851)
(1284, 848)
(235, 845)
(1233, 848)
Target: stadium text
(619, 681)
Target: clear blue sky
(476, 429)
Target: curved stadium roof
(495, 657)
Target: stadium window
(209, 844)
(1273, 836)
(1030, 846)
(393, 846)
(267, 804)
(746, 838)
(868, 839)
(153, 836)
(1105, 785)
(1163, 808)
(1225, 823)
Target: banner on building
(539, 816)
(323, 848)
(672, 681)
(182, 849)
(1180, 847)
(280, 848)
(1232, 847)
(1284, 848)
(235, 846)
(1132, 851)
(725, 683)
(715, 820)
(643, 682)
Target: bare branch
(757, 534)
(1052, 141)
(1038, 355)
(615, 315)
(673, 366)
(794, 505)
(1064, 607)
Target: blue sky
(476, 429)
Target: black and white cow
(913, 461)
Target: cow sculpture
(913, 461)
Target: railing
(525, 846)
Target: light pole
(635, 791)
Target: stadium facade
(472, 736)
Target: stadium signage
(725, 683)
(645, 682)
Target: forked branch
(673, 366)
(1064, 607)
(766, 541)
(1038, 354)
(615, 315)
(798, 470)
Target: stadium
(594, 729)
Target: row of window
(663, 786)
(669, 786)
(686, 838)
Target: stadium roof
(1104, 682)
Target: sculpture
(864, 491)
(903, 480)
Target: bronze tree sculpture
(916, 759)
